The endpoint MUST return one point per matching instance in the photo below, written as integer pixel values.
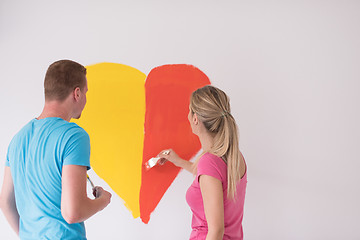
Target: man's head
(66, 79)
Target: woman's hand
(169, 155)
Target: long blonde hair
(212, 106)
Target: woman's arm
(7, 201)
(212, 194)
(176, 160)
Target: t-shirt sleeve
(77, 149)
(209, 165)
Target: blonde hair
(212, 107)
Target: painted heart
(131, 118)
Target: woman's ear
(195, 119)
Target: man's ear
(77, 93)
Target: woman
(216, 197)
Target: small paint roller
(154, 160)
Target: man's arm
(7, 201)
(75, 205)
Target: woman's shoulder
(211, 157)
(211, 160)
(212, 165)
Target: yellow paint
(114, 118)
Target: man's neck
(55, 109)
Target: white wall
(291, 69)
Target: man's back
(36, 156)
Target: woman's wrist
(179, 162)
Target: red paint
(168, 89)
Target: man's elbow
(71, 216)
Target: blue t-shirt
(36, 156)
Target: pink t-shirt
(214, 166)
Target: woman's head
(212, 107)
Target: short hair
(61, 78)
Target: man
(44, 190)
